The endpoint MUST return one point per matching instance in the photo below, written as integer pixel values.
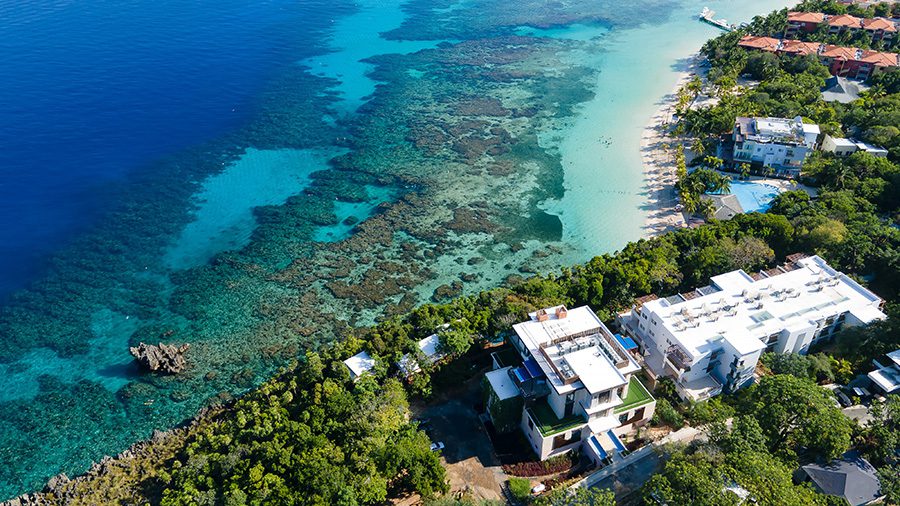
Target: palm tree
(723, 185)
(698, 147)
(713, 162)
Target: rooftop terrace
(739, 308)
(575, 350)
(637, 396)
(546, 420)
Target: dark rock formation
(167, 358)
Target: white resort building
(709, 340)
(846, 147)
(571, 384)
(886, 376)
(779, 143)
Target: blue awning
(533, 368)
(626, 342)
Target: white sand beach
(657, 150)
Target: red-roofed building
(880, 28)
(856, 63)
(873, 62)
(759, 43)
(843, 22)
(842, 61)
(803, 22)
(799, 48)
(808, 22)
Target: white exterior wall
(771, 154)
(830, 146)
(763, 315)
(543, 446)
(557, 403)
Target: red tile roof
(800, 48)
(879, 24)
(844, 20)
(762, 43)
(806, 17)
(879, 59)
(839, 52)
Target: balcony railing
(678, 358)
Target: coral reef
(454, 145)
(167, 358)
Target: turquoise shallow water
(396, 153)
(604, 204)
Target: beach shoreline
(658, 162)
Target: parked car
(435, 447)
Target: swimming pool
(754, 196)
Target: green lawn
(637, 396)
(543, 415)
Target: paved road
(626, 475)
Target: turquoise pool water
(754, 197)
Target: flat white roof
(811, 128)
(895, 356)
(867, 314)
(775, 126)
(502, 384)
(870, 148)
(742, 310)
(843, 142)
(888, 377)
(360, 363)
(583, 347)
(597, 373)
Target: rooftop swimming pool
(754, 196)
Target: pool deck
(783, 185)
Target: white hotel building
(710, 340)
(576, 382)
(782, 144)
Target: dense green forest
(313, 436)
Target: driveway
(468, 454)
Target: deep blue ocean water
(91, 92)
(165, 175)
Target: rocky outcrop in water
(167, 358)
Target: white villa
(359, 364)
(575, 386)
(710, 340)
(428, 352)
(782, 144)
(846, 147)
(886, 376)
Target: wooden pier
(706, 16)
